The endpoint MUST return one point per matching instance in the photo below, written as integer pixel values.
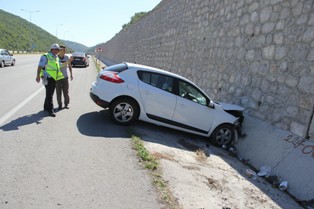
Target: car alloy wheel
(123, 111)
(223, 134)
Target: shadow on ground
(23, 121)
(98, 124)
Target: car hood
(228, 107)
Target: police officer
(49, 70)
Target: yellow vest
(53, 67)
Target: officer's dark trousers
(50, 89)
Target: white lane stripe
(19, 106)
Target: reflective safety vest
(53, 67)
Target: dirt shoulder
(202, 176)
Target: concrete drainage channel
(199, 175)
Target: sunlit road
(78, 159)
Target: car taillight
(111, 77)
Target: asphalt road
(78, 159)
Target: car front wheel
(123, 111)
(223, 134)
(13, 63)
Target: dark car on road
(6, 58)
(80, 59)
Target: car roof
(127, 65)
(156, 70)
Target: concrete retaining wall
(258, 54)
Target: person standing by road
(62, 85)
(49, 70)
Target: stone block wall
(258, 54)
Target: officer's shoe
(52, 114)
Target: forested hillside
(17, 34)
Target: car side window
(148, 78)
(190, 92)
(145, 77)
(157, 80)
(154, 79)
(165, 83)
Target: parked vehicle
(80, 59)
(133, 91)
(6, 58)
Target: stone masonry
(258, 54)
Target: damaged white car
(133, 91)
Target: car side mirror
(211, 105)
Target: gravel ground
(201, 176)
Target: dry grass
(201, 156)
(165, 156)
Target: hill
(17, 34)
(75, 46)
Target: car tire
(2, 64)
(13, 63)
(123, 111)
(223, 134)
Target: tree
(136, 17)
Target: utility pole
(30, 30)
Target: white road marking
(19, 106)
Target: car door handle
(146, 92)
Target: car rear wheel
(123, 111)
(2, 64)
(223, 134)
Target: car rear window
(78, 54)
(117, 68)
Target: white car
(6, 58)
(133, 91)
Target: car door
(156, 93)
(192, 111)
(7, 57)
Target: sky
(88, 22)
